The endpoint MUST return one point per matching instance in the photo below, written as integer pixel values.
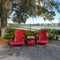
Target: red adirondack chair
(18, 38)
(42, 37)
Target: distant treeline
(54, 24)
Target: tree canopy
(33, 8)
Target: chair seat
(42, 41)
(16, 43)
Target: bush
(29, 33)
(0, 32)
(51, 36)
(10, 32)
(52, 33)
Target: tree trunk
(3, 18)
(3, 26)
(3, 31)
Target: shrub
(29, 33)
(52, 33)
(0, 32)
(10, 32)
(51, 36)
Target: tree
(4, 15)
(18, 20)
(33, 8)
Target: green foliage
(0, 32)
(18, 20)
(52, 37)
(52, 33)
(44, 8)
(10, 32)
(29, 33)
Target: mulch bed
(3, 41)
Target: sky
(38, 20)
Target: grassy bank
(52, 33)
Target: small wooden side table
(30, 40)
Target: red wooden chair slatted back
(42, 34)
(21, 34)
(16, 35)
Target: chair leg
(46, 44)
(11, 46)
(22, 45)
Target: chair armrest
(23, 36)
(47, 35)
(37, 36)
(11, 37)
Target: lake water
(40, 27)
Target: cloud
(40, 20)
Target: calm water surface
(40, 27)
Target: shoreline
(37, 27)
(25, 29)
